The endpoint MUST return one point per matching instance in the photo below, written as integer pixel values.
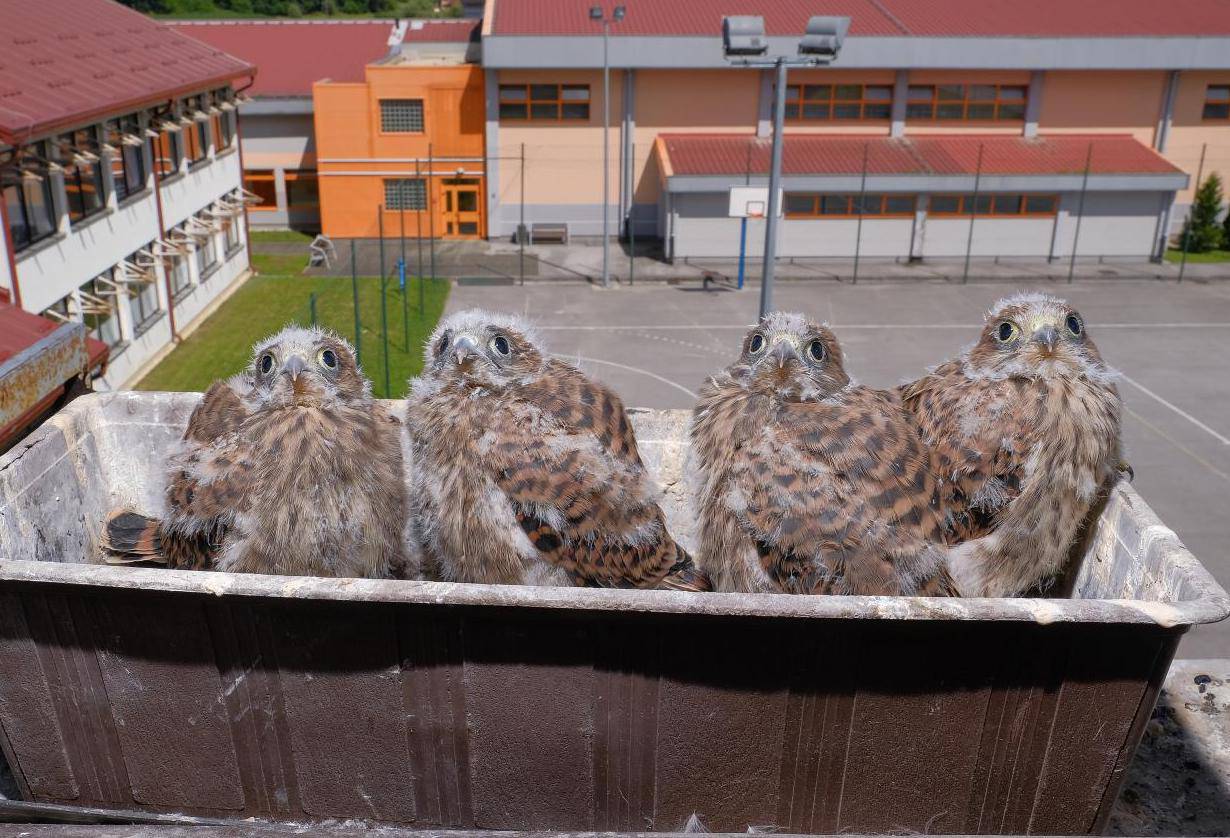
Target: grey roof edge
(938, 183)
(263, 105)
(1016, 53)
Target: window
(301, 191)
(263, 185)
(405, 194)
(206, 254)
(839, 101)
(27, 200)
(966, 102)
(180, 278)
(805, 205)
(196, 131)
(223, 123)
(128, 160)
(167, 151)
(83, 177)
(97, 303)
(230, 233)
(143, 299)
(401, 116)
(1217, 101)
(998, 205)
(548, 102)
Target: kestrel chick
(1024, 431)
(527, 472)
(289, 468)
(807, 483)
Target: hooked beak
(782, 352)
(464, 346)
(293, 367)
(1048, 337)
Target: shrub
(1201, 232)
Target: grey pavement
(656, 343)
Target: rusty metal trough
(444, 705)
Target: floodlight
(824, 36)
(744, 35)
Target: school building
(120, 169)
(1055, 125)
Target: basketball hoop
(754, 209)
(749, 202)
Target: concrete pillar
(627, 165)
(1164, 221)
(1166, 117)
(901, 91)
(918, 232)
(491, 86)
(1033, 103)
(279, 187)
(764, 106)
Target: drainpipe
(8, 252)
(1162, 134)
(162, 234)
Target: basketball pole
(742, 247)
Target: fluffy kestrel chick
(1024, 430)
(289, 468)
(807, 483)
(527, 472)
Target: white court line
(696, 327)
(1142, 388)
(653, 375)
(1142, 420)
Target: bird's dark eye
(1006, 332)
(266, 363)
(756, 344)
(500, 344)
(328, 359)
(816, 349)
(1074, 325)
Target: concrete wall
(1113, 224)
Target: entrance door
(463, 215)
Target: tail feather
(684, 575)
(132, 537)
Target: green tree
(1201, 232)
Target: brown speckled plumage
(1025, 435)
(527, 472)
(807, 483)
(289, 468)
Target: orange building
(404, 146)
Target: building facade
(280, 143)
(123, 201)
(1025, 118)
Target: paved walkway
(581, 261)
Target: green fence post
(354, 284)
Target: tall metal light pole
(617, 14)
(745, 43)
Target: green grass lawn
(1175, 255)
(222, 345)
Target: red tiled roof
(981, 18)
(812, 154)
(65, 62)
(19, 330)
(292, 54)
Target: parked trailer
(431, 705)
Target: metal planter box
(446, 705)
